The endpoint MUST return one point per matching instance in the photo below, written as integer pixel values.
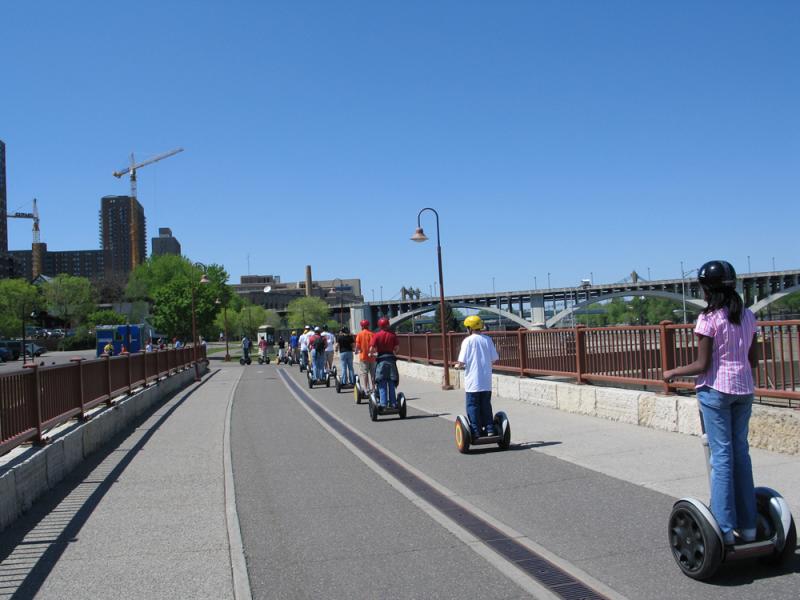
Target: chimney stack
(308, 280)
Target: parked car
(13, 347)
(34, 349)
(5, 355)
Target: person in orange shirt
(366, 362)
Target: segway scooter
(696, 540)
(359, 392)
(341, 385)
(376, 409)
(245, 361)
(312, 382)
(262, 359)
(465, 439)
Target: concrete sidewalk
(671, 463)
(143, 518)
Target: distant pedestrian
(476, 355)
(262, 347)
(178, 344)
(727, 351)
(149, 346)
(108, 349)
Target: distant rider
(384, 346)
(331, 339)
(345, 343)
(318, 342)
(366, 362)
(304, 347)
(294, 342)
(246, 343)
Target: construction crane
(37, 248)
(31, 215)
(131, 170)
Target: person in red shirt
(384, 346)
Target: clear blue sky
(561, 137)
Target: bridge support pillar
(537, 309)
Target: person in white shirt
(304, 346)
(476, 356)
(329, 348)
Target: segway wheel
(462, 437)
(766, 523)
(338, 386)
(241, 361)
(310, 381)
(694, 543)
(249, 361)
(373, 410)
(401, 402)
(328, 380)
(505, 441)
(266, 360)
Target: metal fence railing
(37, 398)
(629, 355)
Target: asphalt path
(316, 520)
(49, 358)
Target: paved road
(316, 519)
(49, 358)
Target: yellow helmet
(473, 322)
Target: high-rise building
(3, 202)
(165, 243)
(118, 216)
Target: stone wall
(775, 429)
(39, 469)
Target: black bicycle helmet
(717, 275)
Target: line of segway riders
(741, 521)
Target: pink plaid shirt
(730, 371)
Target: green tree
(251, 317)
(69, 298)
(17, 298)
(454, 319)
(167, 281)
(106, 317)
(307, 311)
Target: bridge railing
(38, 398)
(627, 355)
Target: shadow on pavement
(745, 572)
(51, 526)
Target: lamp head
(419, 236)
(205, 279)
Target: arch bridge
(549, 307)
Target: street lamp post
(419, 236)
(225, 318)
(23, 347)
(204, 279)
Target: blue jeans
(318, 359)
(479, 411)
(304, 358)
(386, 392)
(733, 499)
(348, 375)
